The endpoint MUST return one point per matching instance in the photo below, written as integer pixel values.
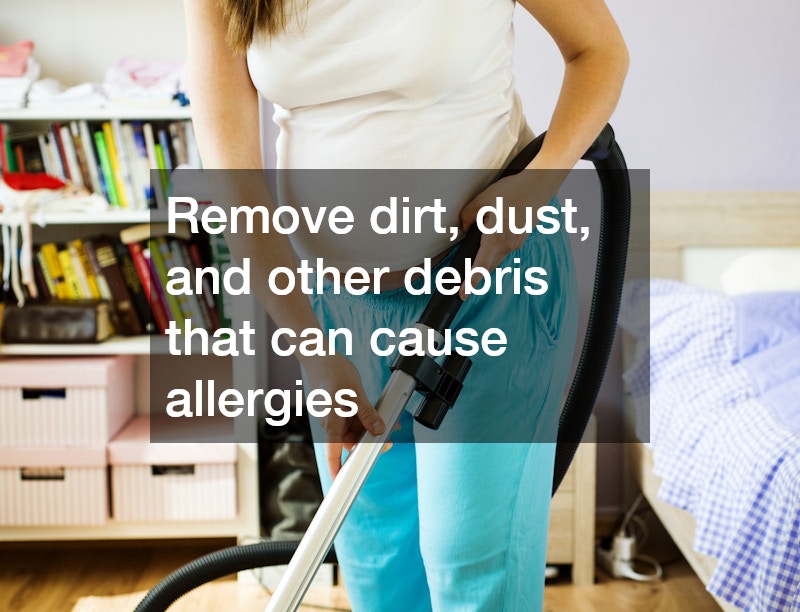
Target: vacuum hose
(607, 158)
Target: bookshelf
(61, 226)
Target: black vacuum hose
(612, 254)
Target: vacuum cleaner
(440, 384)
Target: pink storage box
(64, 401)
(184, 481)
(53, 486)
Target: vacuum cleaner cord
(609, 162)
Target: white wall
(712, 96)
(77, 40)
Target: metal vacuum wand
(334, 507)
(440, 383)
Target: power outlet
(618, 562)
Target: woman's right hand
(333, 373)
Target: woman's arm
(596, 62)
(226, 122)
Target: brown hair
(248, 18)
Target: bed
(716, 393)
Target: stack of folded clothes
(18, 70)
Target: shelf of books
(119, 256)
(131, 270)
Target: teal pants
(456, 520)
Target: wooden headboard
(679, 220)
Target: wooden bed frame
(681, 220)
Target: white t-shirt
(391, 84)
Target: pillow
(763, 270)
(765, 320)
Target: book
(178, 140)
(73, 284)
(80, 154)
(100, 279)
(144, 163)
(157, 305)
(156, 288)
(163, 140)
(139, 171)
(79, 272)
(124, 161)
(105, 165)
(190, 304)
(127, 318)
(206, 306)
(208, 294)
(45, 153)
(43, 287)
(157, 181)
(222, 260)
(58, 152)
(70, 156)
(47, 289)
(159, 249)
(84, 268)
(143, 231)
(49, 252)
(135, 289)
(4, 150)
(92, 162)
(114, 162)
(163, 175)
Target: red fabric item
(23, 181)
(14, 59)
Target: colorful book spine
(84, 268)
(135, 288)
(44, 282)
(70, 156)
(92, 163)
(157, 178)
(157, 307)
(102, 285)
(222, 260)
(208, 293)
(158, 248)
(74, 289)
(43, 148)
(80, 153)
(191, 306)
(49, 252)
(127, 318)
(116, 168)
(144, 162)
(57, 148)
(124, 160)
(105, 164)
(156, 288)
(4, 150)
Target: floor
(113, 578)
